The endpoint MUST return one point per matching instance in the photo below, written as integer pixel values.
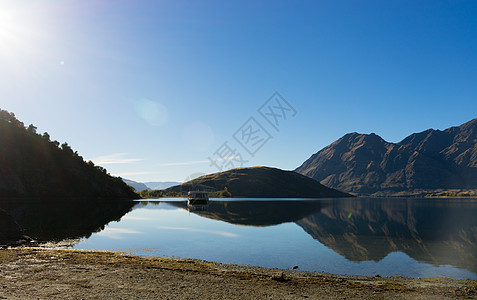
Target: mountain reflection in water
(435, 231)
(349, 236)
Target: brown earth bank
(33, 273)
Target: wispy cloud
(117, 233)
(190, 229)
(196, 162)
(115, 158)
(185, 163)
(136, 218)
(134, 173)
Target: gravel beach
(33, 273)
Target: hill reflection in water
(257, 212)
(435, 231)
(358, 236)
(54, 221)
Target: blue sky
(151, 89)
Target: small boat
(197, 198)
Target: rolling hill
(260, 182)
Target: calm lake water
(406, 237)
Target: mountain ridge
(428, 160)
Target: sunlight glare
(152, 112)
(22, 34)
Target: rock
(279, 277)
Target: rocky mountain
(33, 166)
(260, 182)
(429, 160)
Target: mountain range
(160, 185)
(151, 185)
(426, 161)
(138, 186)
(32, 165)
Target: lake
(352, 236)
(358, 236)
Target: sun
(11, 29)
(21, 31)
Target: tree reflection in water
(47, 220)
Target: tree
(103, 170)
(31, 128)
(10, 118)
(46, 136)
(66, 148)
(226, 192)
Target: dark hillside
(33, 166)
(260, 182)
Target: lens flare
(152, 112)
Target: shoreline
(38, 273)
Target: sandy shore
(28, 273)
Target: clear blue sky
(151, 89)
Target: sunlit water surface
(405, 237)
